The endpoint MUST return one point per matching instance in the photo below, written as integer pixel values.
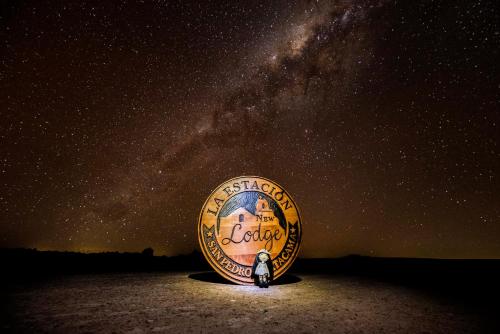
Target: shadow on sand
(213, 277)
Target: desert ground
(201, 303)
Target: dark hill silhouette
(476, 279)
(20, 263)
(469, 278)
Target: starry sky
(381, 119)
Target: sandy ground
(174, 302)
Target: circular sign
(242, 216)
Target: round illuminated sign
(244, 215)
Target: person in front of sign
(262, 269)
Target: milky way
(379, 117)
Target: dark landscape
(66, 292)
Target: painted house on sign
(263, 214)
(244, 252)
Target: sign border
(199, 229)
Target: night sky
(381, 118)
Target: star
(209, 234)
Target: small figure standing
(262, 270)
